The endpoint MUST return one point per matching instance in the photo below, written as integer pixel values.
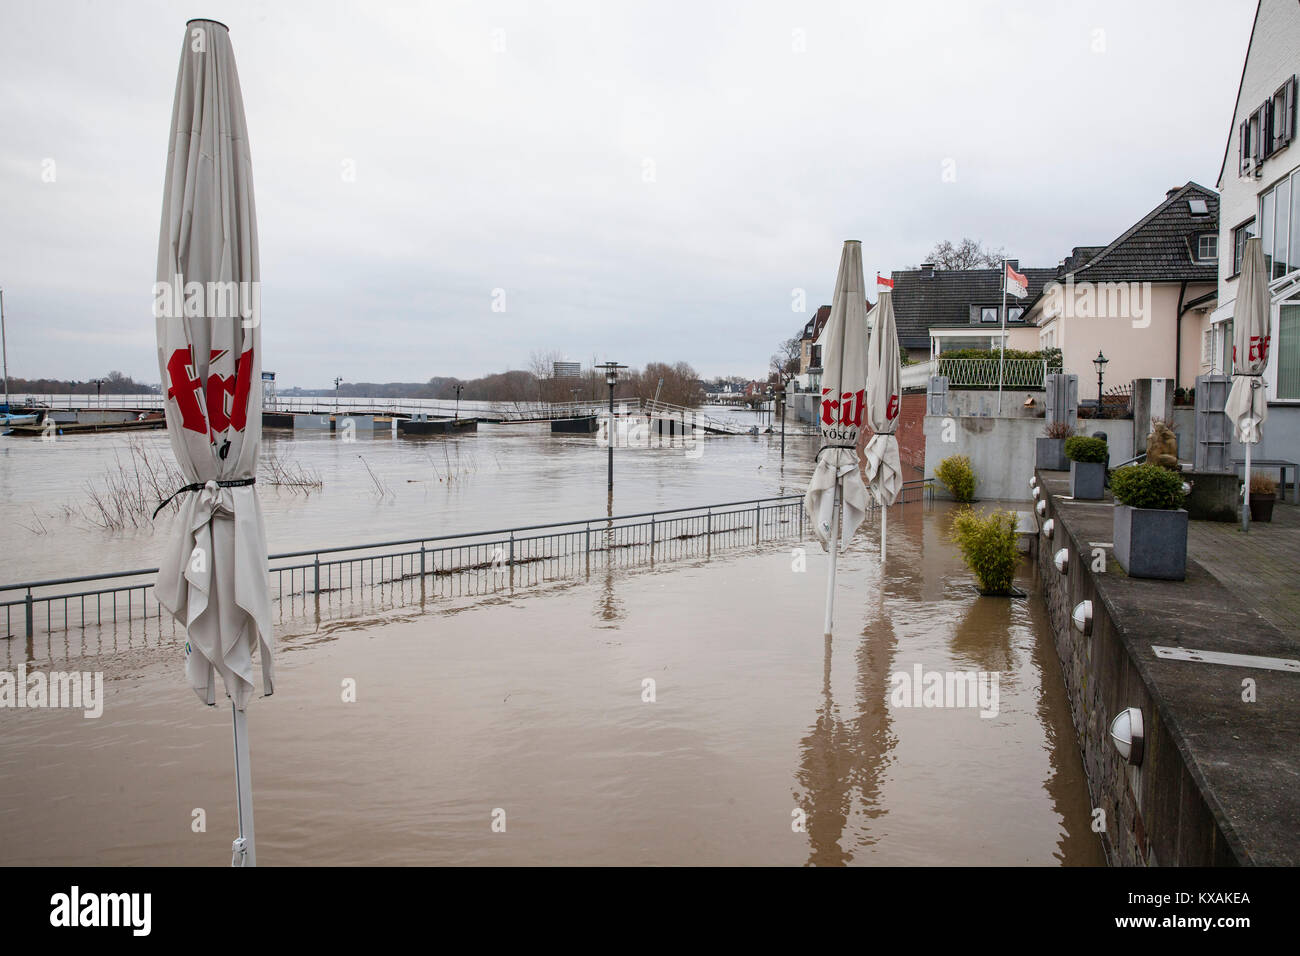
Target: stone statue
(1162, 446)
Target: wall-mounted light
(1033, 480)
(1082, 617)
(1049, 526)
(1126, 733)
(1062, 560)
(1038, 493)
(1041, 507)
(1187, 489)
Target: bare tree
(967, 254)
(785, 362)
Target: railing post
(652, 539)
(316, 575)
(28, 604)
(757, 526)
(421, 561)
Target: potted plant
(1049, 452)
(988, 545)
(1263, 492)
(1088, 457)
(1150, 525)
(957, 476)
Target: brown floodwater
(765, 743)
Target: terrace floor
(1261, 566)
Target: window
(1268, 129)
(1239, 237)
(989, 313)
(1015, 313)
(1207, 248)
(1288, 352)
(1198, 207)
(1281, 120)
(1279, 231)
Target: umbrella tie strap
(200, 485)
(817, 457)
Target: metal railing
(986, 372)
(88, 608)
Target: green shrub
(988, 545)
(957, 476)
(1147, 486)
(1084, 448)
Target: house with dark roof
(939, 310)
(810, 360)
(1143, 301)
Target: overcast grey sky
(646, 181)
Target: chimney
(927, 270)
(1014, 263)
(1169, 193)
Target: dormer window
(1207, 248)
(989, 313)
(1198, 207)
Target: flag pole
(835, 551)
(244, 849)
(1002, 342)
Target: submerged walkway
(1260, 566)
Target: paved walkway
(1261, 566)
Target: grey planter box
(1049, 454)
(1087, 479)
(1151, 542)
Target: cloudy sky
(645, 181)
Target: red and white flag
(882, 281)
(1016, 284)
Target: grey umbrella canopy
(213, 576)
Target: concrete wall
(983, 402)
(1155, 814)
(1001, 450)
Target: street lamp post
(99, 392)
(1099, 363)
(459, 388)
(337, 382)
(611, 379)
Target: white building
(1259, 187)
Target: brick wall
(910, 434)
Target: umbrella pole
(835, 551)
(1245, 507)
(244, 848)
(884, 524)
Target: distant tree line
(681, 385)
(114, 383)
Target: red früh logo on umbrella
(226, 395)
(849, 406)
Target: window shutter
(1243, 148)
(1288, 112)
(1260, 150)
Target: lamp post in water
(611, 379)
(459, 388)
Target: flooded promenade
(686, 712)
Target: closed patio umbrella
(884, 393)
(213, 576)
(1246, 406)
(836, 500)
